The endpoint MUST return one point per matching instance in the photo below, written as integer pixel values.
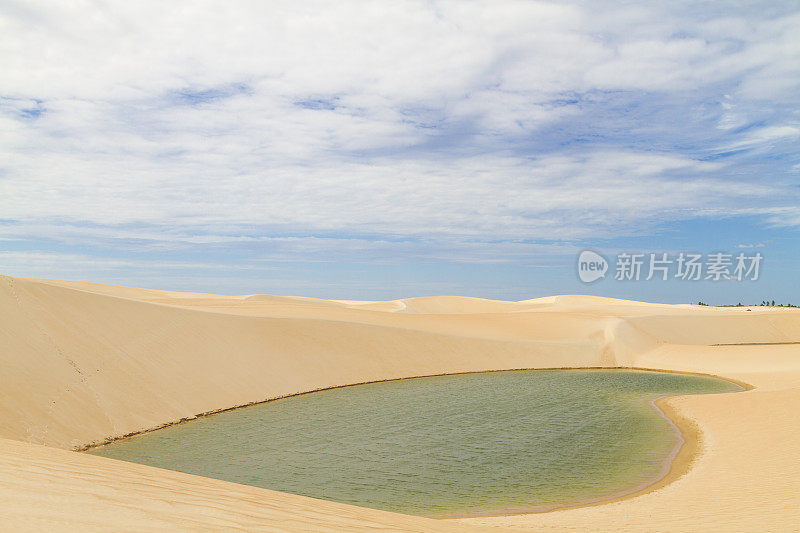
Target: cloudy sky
(391, 149)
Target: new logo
(591, 266)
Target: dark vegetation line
(764, 303)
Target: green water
(440, 446)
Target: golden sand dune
(83, 363)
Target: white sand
(84, 362)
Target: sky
(381, 150)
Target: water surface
(440, 446)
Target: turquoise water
(440, 446)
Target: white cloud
(781, 217)
(553, 197)
(766, 135)
(208, 122)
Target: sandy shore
(84, 363)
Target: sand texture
(84, 363)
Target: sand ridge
(82, 363)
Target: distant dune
(83, 363)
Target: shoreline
(678, 463)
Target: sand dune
(83, 363)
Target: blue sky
(376, 150)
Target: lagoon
(457, 445)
